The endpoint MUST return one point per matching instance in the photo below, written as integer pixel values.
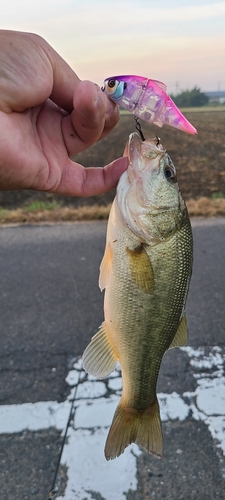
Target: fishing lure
(146, 99)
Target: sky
(181, 43)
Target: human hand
(47, 115)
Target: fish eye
(170, 174)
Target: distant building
(216, 96)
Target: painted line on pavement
(88, 471)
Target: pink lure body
(146, 99)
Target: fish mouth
(139, 151)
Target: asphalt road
(50, 307)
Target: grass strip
(204, 207)
(57, 214)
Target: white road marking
(88, 471)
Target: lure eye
(114, 88)
(111, 84)
(111, 87)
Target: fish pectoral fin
(99, 358)
(141, 269)
(105, 268)
(181, 337)
(130, 426)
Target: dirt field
(199, 160)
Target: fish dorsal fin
(105, 267)
(141, 269)
(181, 336)
(161, 85)
(99, 358)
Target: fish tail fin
(130, 426)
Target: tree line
(190, 98)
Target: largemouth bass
(145, 272)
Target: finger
(65, 80)
(79, 181)
(94, 116)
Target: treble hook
(138, 128)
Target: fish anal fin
(130, 426)
(181, 337)
(105, 267)
(141, 269)
(99, 358)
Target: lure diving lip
(146, 99)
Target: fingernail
(108, 104)
(112, 108)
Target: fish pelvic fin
(130, 426)
(99, 358)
